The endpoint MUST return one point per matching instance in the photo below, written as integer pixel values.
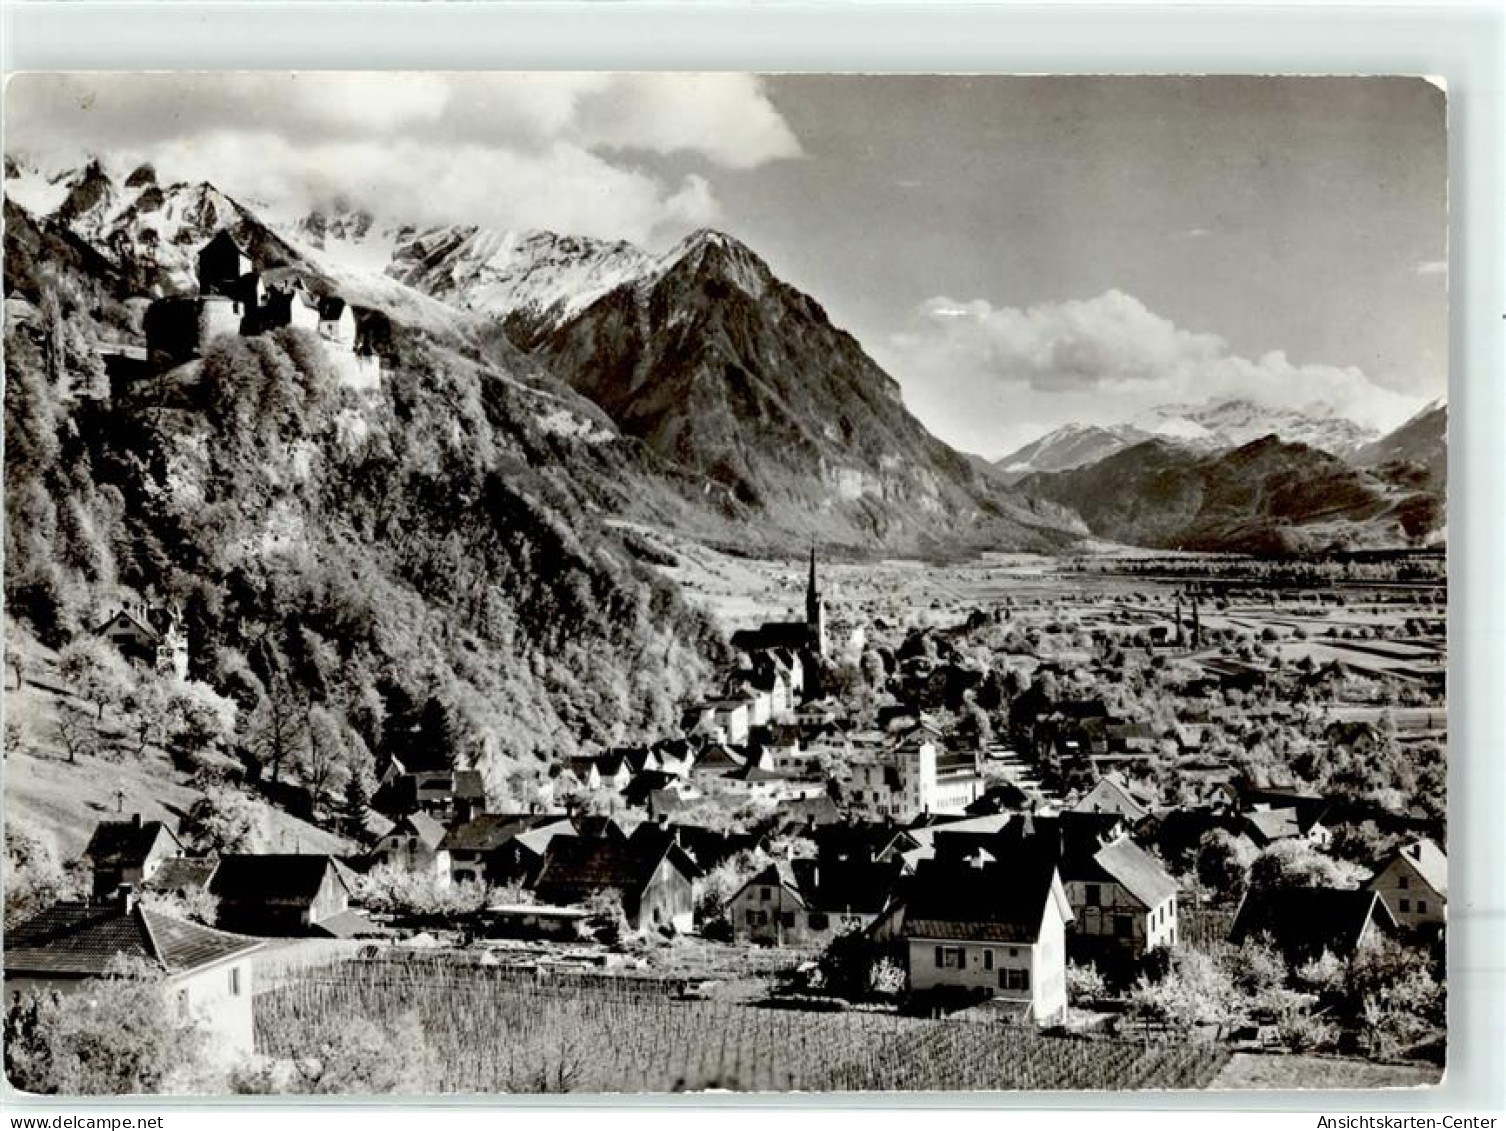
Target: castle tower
(815, 610)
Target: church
(807, 637)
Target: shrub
(116, 1037)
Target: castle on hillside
(235, 298)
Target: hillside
(441, 540)
(1267, 496)
(1414, 454)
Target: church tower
(815, 610)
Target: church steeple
(815, 609)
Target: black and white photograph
(597, 583)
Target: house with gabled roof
(208, 973)
(1305, 922)
(415, 844)
(151, 635)
(1267, 825)
(1113, 794)
(1413, 884)
(501, 848)
(809, 902)
(986, 926)
(128, 852)
(286, 895)
(652, 875)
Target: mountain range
(721, 400)
(1266, 496)
(1215, 426)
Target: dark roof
(181, 874)
(124, 842)
(858, 885)
(429, 831)
(576, 867)
(284, 876)
(1304, 922)
(83, 939)
(469, 786)
(991, 902)
(488, 831)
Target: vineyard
(492, 1031)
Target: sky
(1019, 253)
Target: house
(986, 926)
(728, 720)
(1124, 902)
(1112, 794)
(714, 762)
(1413, 884)
(66, 948)
(611, 770)
(285, 894)
(807, 903)
(415, 844)
(1266, 826)
(128, 852)
(425, 781)
(750, 780)
(1303, 923)
(907, 775)
(182, 875)
(501, 848)
(149, 635)
(652, 875)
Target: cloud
(564, 187)
(989, 378)
(1197, 233)
(1432, 267)
(548, 150)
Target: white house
(1414, 886)
(70, 946)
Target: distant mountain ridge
(1268, 496)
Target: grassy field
(63, 801)
(631, 1036)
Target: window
(818, 921)
(1422, 907)
(1014, 978)
(951, 958)
(1406, 905)
(766, 894)
(787, 918)
(235, 981)
(1093, 895)
(988, 959)
(1404, 882)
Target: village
(1104, 800)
